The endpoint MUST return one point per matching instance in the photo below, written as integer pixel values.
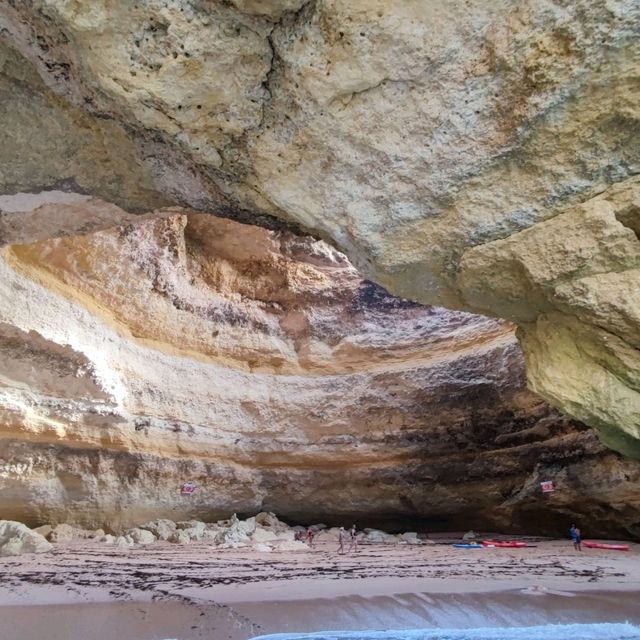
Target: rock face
(431, 142)
(573, 284)
(151, 351)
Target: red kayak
(505, 544)
(601, 545)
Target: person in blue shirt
(574, 532)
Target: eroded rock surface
(150, 351)
(421, 138)
(573, 285)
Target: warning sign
(187, 488)
(547, 486)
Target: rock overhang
(481, 157)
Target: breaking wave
(606, 631)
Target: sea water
(608, 631)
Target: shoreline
(189, 620)
(196, 592)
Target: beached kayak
(467, 546)
(504, 544)
(604, 545)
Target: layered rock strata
(143, 352)
(423, 139)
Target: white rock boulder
(16, 539)
(180, 536)
(141, 536)
(328, 535)
(375, 536)
(123, 542)
(269, 520)
(44, 530)
(238, 531)
(66, 532)
(160, 528)
(409, 538)
(261, 535)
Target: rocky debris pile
(374, 536)
(16, 539)
(263, 533)
(66, 532)
(162, 529)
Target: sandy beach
(194, 592)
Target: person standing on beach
(577, 542)
(342, 537)
(353, 539)
(310, 535)
(575, 534)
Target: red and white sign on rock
(547, 486)
(187, 488)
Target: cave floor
(198, 591)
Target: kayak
(468, 546)
(505, 544)
(602, 545)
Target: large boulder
(180, 536)
(123, 542)
(141, 536)
(210, 535)
(289, 534)
(375, 536)
(328, 535)
(238, 531)
(66, 532)
(193, 528)
(16, 539)
(264, 535)
(98, 535)
(270, 521)
(160, 528)
(44, 530)
(409, 538)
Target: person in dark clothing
(310, 535)
(353, 539)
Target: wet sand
(91, 591)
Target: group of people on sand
(350, 536)
(344, 537)
(306, 535)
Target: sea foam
(543, 632)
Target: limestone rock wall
(573, 284)
(422, 139)
(141, 352)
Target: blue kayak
(467, 546)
